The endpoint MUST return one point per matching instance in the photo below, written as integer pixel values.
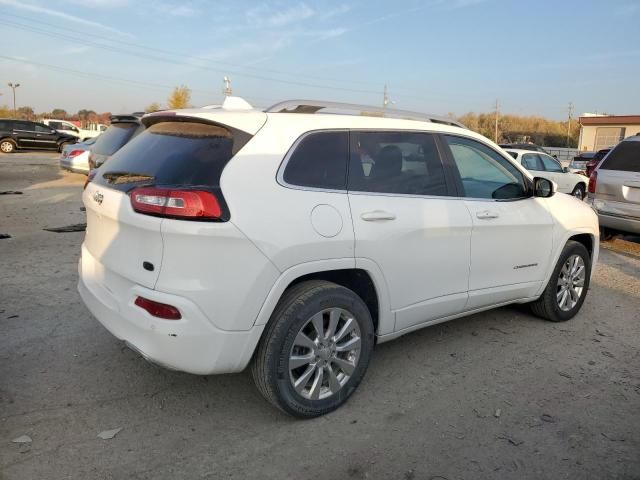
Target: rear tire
(579, 191)
(607, 234)
(567, 287)
(7, 145)
(305, 373)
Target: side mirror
(565, 169)
(543, 187)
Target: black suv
(122, 129)
(23, 134)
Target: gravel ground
(500, 394)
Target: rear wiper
(116, 178)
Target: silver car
(614, 189)
(75, 157)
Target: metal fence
(564, 155)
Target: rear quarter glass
(624, 157)
(114, 138)
(174, 154)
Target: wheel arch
(367, 284)
(10, 139)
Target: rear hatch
(618, 181)
(171, 170)
(112, 140)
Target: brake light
(90, 177)
(157, 309)
(593, 179)
(194, 204)
(75, 153)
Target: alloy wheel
(6, 147)
(325, 353)
(570, 284)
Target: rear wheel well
(355, 279)
(586, 240)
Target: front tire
(315, 349)
(7, 146)
(568, 285)
(579, 191)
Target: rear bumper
(191, 344)
(620, 223)
(76, 167)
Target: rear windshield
(170, 154)
(114, 138)
(625, 157)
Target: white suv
(295, 239)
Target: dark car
(23, 134)
(593, 163)
(122, 129)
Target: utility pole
(13, 87)
(385, 98)
(570, 111)
(227, 87)
(497, 111)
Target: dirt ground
(499, 394)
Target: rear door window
(319, 161)
(397, 163)
(531, 161)
(178, 154)
(114, 138)
(625, 157)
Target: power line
(180, 57)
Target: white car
(294, 240)
(546, 166)
(69, 128)
(75, 157)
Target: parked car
(69, 128)
(614, 189)
(597, 158)
(579, 162)
(295, 239)
(75, 157)
(23, 134)
(122, 129)
(548, 167)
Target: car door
(46, 137)
(512, 231)
(406, 221)
(25, 134)
(554, 171)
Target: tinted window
(4, 125)
(513, 154)
(114, 138)
(319, 161)
(625, 157)
(484, 172)
(531, 161)
(170, 154)
(43, 129)
(26, 126)
(56, 125)
(396, 162)
(550, 165)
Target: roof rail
(314, 106)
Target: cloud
(65, 16)
(263, 16)
(176, 9)
(100, 3)
(336, 12)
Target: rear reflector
(593, 179)
(157, 309)
(189, 204)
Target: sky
(436, 56)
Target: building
(605, 131)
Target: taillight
(90, 177)
(164, 202)
(593, 179)
(157, 309)
(75, 153)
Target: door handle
(376, 215)
(486, 214)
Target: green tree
(179, 98)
